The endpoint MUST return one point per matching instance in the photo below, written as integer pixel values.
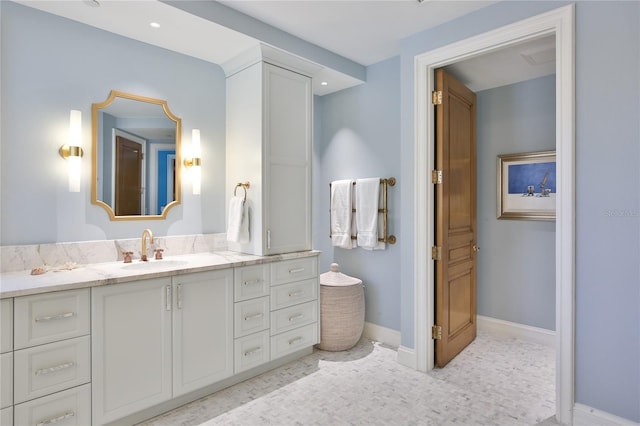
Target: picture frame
(527, 186)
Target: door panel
(128, 177)
(455, 218)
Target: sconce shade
(194, 162)
(72, 152)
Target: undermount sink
(154, 264)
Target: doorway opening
(559, 23)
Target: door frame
(559, 22)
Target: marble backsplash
(26, 257)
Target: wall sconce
(194, 162)
(72, 152)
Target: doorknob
(475, 248)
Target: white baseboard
(584, 415)
(381, 334)
(520, 331)
(407, 357)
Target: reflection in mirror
(136, 157)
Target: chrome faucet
(146, 232)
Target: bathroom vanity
(120, 343)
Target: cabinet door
(6, 325)
(131, 347)
(202, 329)
(287, 134)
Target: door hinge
(436, 177)
(436, 97)
(436, 253)
(436, 332)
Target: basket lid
(336, 278)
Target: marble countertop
(22, 283)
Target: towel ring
(245, 185)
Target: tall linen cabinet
(268, 144)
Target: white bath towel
(367, 200)
(238, 227)
(341, 213)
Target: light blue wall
(51, 65)
(607, 350)
(516, 264)
(608, 207)
(358, 136)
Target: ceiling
(364, 32)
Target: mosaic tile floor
(494, 381)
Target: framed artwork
(527, 186)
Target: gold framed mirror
(136, 157)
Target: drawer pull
(252, 282)
(55, 317)
(254, 316)
(295, 340)
(295, 317)
(65, 416)
(296, 270)
(44, 371)
(167, 298)
(179, 296)
(296, 293)
(253, 351)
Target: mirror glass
(136, 157)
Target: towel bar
(386, 238)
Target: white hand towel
(341, 213)
(367, 199)
(238, 227)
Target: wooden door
(455, 218)
(128, 191)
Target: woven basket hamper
(341, 310)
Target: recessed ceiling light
(154, 25)
(92, 3)
(324, 83)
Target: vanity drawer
(250, 281)
(67, 408)
(291, 341)
(251, 351)
(294, 270)
(294, 293)
(251, 316)
(50, 368)
(293, 317)
(6, 387)
(45, 318)
(6, 416)
(6, 325)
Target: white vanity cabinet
(269, 133)
(157, 339)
